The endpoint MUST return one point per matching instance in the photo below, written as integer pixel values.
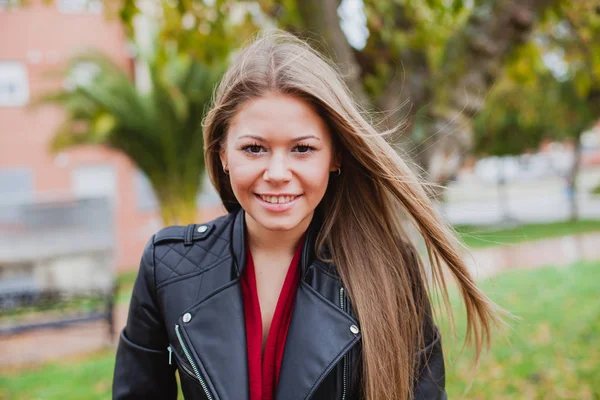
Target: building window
(79, 6)
(16, 184)
(14, 84)
(81, 74)
(95, 181)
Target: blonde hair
(361, 211)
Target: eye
(304, 149)
(253, 148)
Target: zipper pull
(170, 354)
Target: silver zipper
(345, 361)
(193, 364)
(179, 365)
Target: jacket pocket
(182, 366)
(142, 373)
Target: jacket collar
(238, 243)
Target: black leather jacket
(186, 313)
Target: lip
(278, 194)
(277, 207)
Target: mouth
(281, 199)
(277, 203)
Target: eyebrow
(293, 140)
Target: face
(279, 154)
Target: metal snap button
(202, 228)
(354, 329)
(187, 317)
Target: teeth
(277, 199)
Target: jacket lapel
(319, 336)
(215, 334)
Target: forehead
(277, 116)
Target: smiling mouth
(277, 199)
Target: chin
(279, 223)
(283, 222)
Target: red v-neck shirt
(263, 375)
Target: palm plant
(158, 129)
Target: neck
(263, 240)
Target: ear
(223, 157)
(336, 161)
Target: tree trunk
(176, 210)
(322, 26)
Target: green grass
(552, 352)
(74, 379)
(475, 237)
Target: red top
(263, 375)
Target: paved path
(560, 251)
(51, 344)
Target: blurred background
(101, 104)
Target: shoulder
(178, 251)
(193, 232)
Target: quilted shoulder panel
(174, 259)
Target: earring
(225, 170)
(339, 171)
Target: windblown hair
(362, 212)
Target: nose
(277, 170)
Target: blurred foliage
(206, 31)
(551, 86)
(408, 28)
(159, 128)
(551, 352)
(429, 63)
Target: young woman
(308, 288)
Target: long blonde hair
(362, 212)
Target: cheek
(315, 180)
(242, 178)
(243, 175)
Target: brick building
(40, 38)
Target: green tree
(159, 129)
(550, 89)
(428, 62)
